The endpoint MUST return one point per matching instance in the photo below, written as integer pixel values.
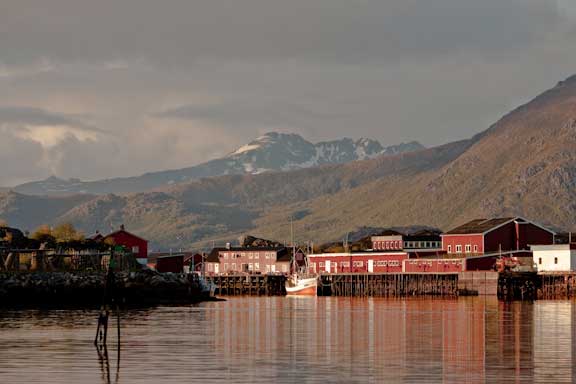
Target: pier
(388, 284)
(256, 285)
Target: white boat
(296, 285)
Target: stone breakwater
(87, 289)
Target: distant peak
(568, 81)
(53, 179)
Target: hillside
(270, 152)
(525, 164)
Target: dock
(255, 285)
(389, 284)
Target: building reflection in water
(469, 339)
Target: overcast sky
(96, 89)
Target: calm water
(300, 340)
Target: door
(327, 264)
(370, 266)
(216, 268)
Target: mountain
(270, 152)
(525, 164)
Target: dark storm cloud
(176, 82)
(39, 117)
(179, 32)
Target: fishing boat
(299, 283)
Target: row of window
(360, 263)
(407, 244)
(422, 244)
(250, 255)
(248, 267)
(540, 260)
(467, 248)
(389, 263)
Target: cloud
(178, 33)
(43, 136)
(171, 84)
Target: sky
(98, 89)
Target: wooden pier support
(389, 284)
(255, 285)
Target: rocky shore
(87, 289)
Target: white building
(554, 258)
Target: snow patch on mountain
(270, 152)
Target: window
(284, 267)
(459, 248)
(256, 266)
(555, 260)
(256, 255)
(475, 248)
(225, 267)
(344, 264)
(358, 263)
(250, 267)
(321, 264)
(468, 248)
(449, 249)
(135, 249)
(539, 260)
(233, 266)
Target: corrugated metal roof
(479, 226)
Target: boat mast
(293, 245)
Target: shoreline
(87, 289)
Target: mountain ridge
(270, 152)
(524, 164)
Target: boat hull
(306, 287)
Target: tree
(43, 234)
(65, 233)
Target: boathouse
(485, 236)
(483, 241)
(554, 257)
(248, 260)
(137, 245)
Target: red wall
(433, 265)
(173, 264)
(531, 234)
(481, 263)
(382, 262)
(462, 240)
(129, 241)
(504, 237)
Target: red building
(137, 245)
(424, 243)
(483, 240)
(248, 260)
(357, 262)
(170, 263)
(434, 265)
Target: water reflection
(309, 340)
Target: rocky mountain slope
(270, 152)
(525, 164)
